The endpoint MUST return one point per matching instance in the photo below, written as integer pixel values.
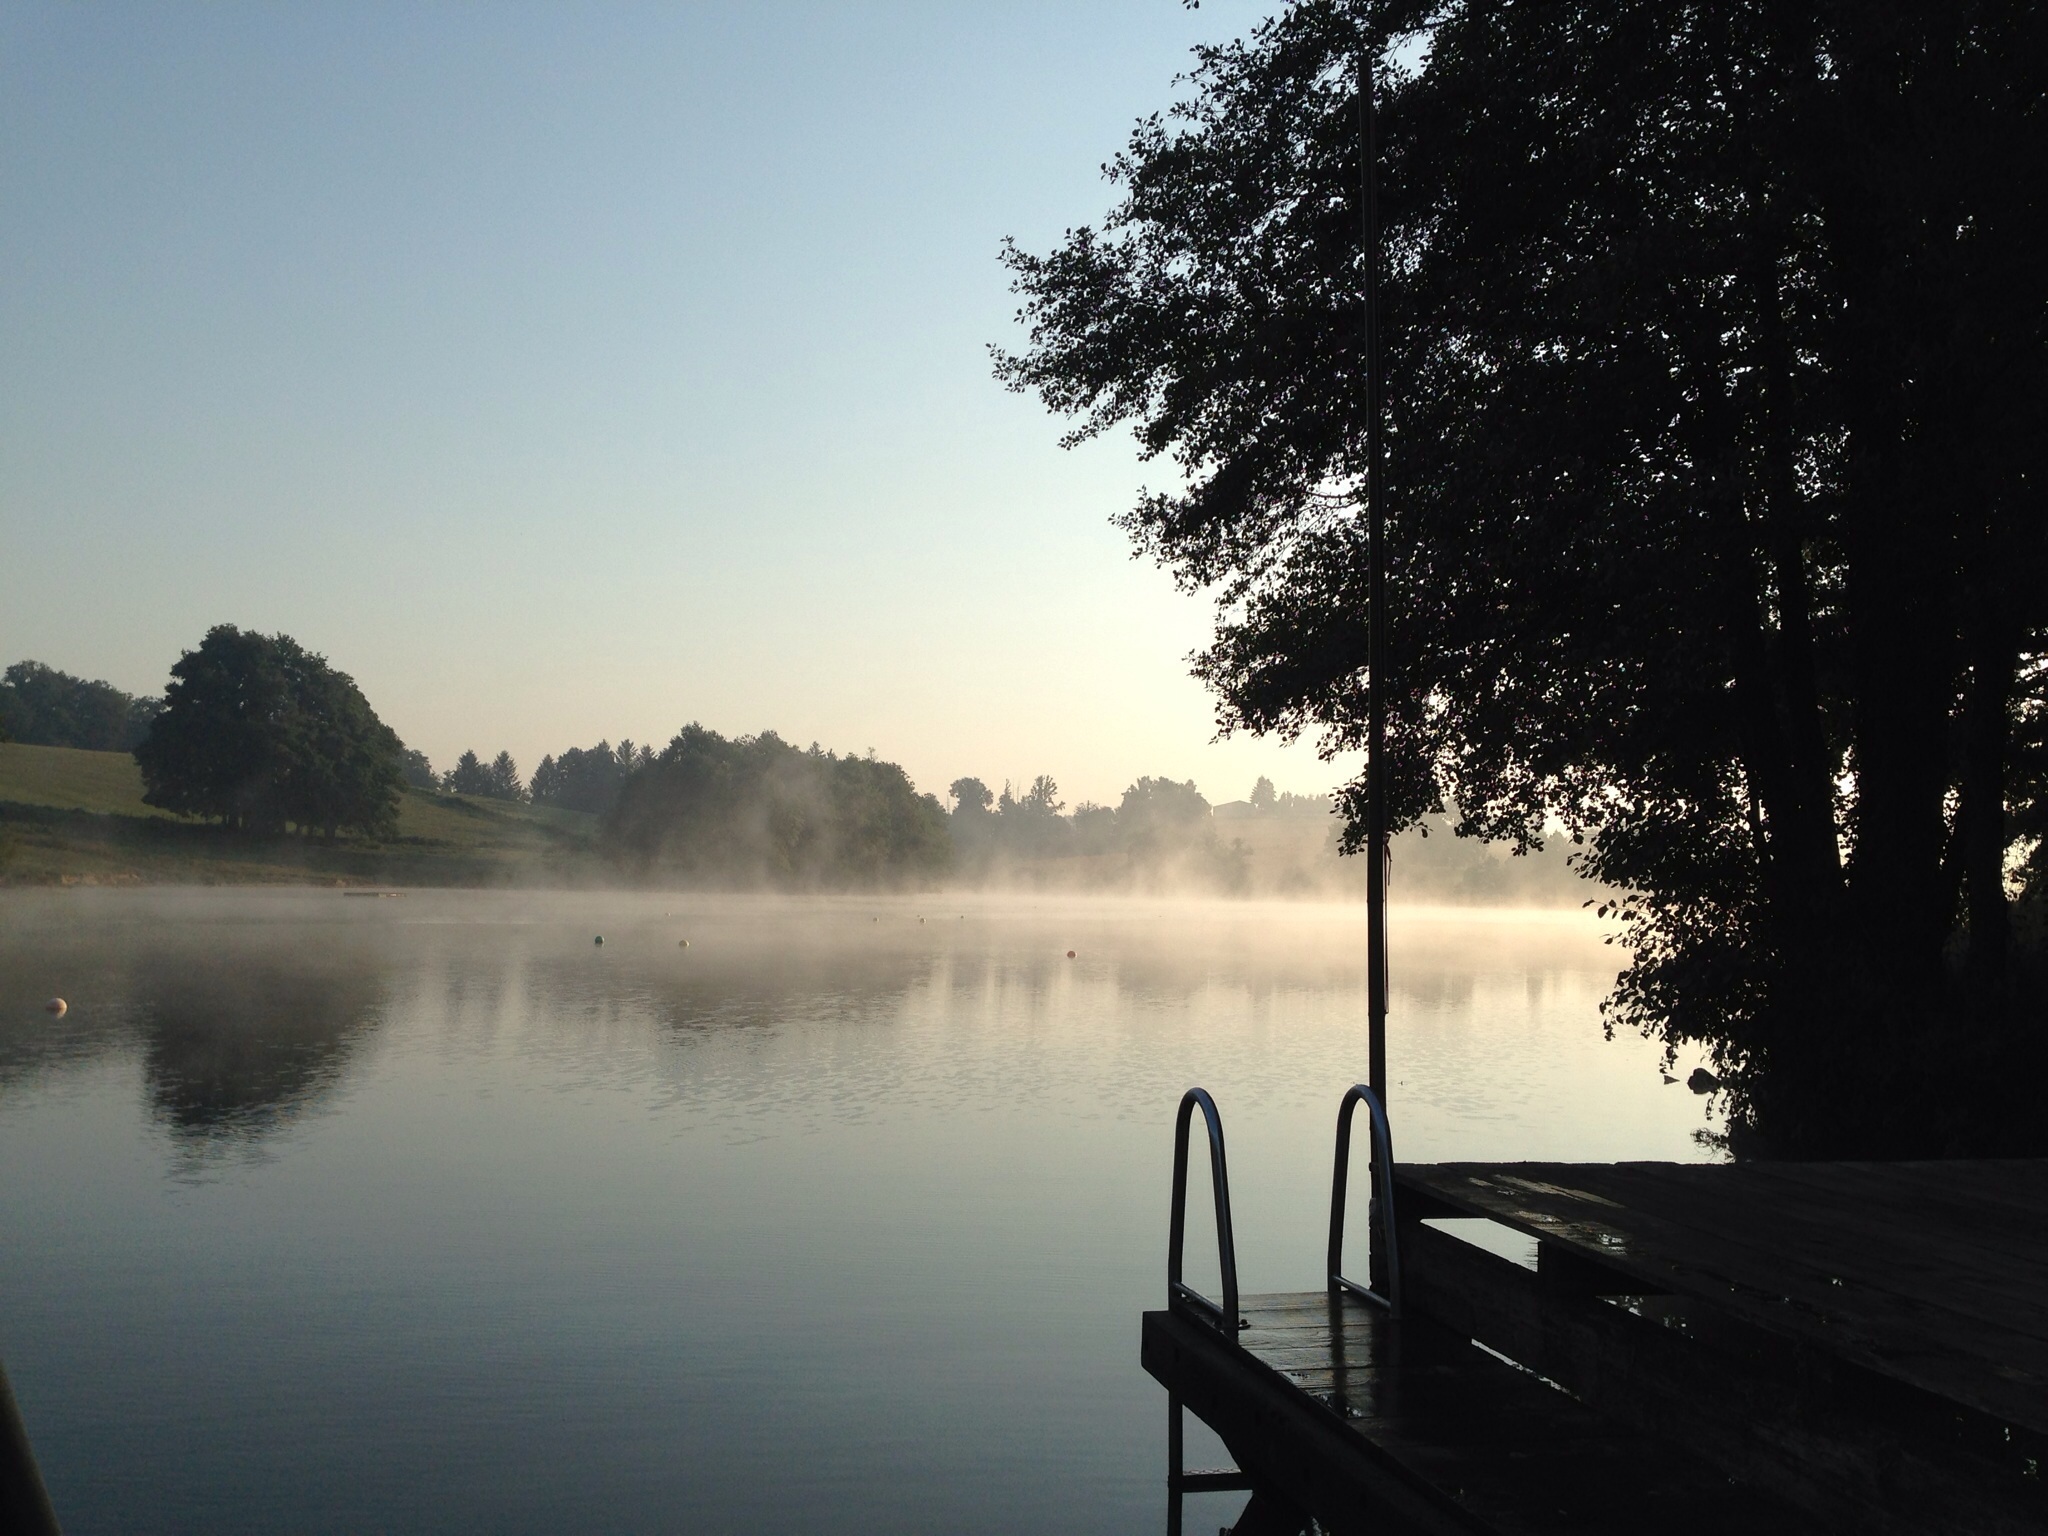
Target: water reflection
(836, 1219)
(239, 1046)
(238, 1029)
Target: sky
(571, 372)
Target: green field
(69, 817)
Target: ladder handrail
(1223, 1318)
(1386, 1257)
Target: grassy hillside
(68, 780)
(77, 817)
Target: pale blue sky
(576, 371)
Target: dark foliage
(263, 735)
(496, 780)
(417, 771)
(756, 811)
(42, 707)
(587, 778)
(971, 798)
(469, 776)
(1716, 352)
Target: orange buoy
(58, 1006)
(1070, 954)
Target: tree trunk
(1902, 668)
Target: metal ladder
(1383, 1288)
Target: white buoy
(58, 1006)
(682, 943)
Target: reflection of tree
(239, 1025)
(238, 1050)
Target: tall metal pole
(1376, 606)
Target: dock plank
(1857, 1240)
(1653, 1225)
(2008, 1219)
(1364, 1421)
(1845, 1445)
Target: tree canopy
(1715, 352)
(263, 735)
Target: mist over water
(431, 1213)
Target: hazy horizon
(576, 375)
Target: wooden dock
(1750, 1347)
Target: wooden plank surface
(1904, 1274)
(1366, 1422)
(1855, 1450)
(1977, 1208)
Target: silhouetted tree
(1161, 809)
(504, 779)
(263, 735)
(1043, 798)
(971, 797)
(1716, 391)
(546, 787)
(469, 776)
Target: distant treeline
(756, 810)
(581, 779)
(42, 707)
(740, 811)
(265, 737)
(1164, 835)
(1161, 831)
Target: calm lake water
(429, 1214)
